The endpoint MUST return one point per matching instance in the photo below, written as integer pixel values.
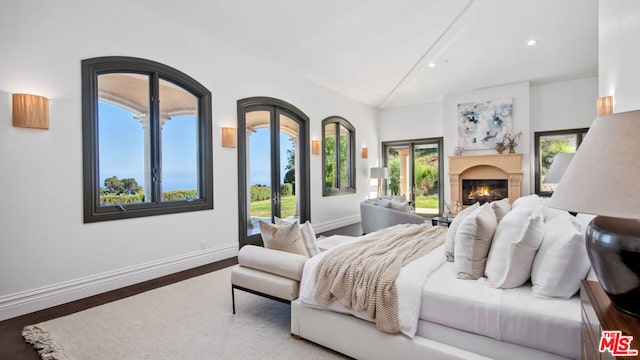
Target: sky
(260, 156)
(121, 139)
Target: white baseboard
(37, 299)
(318, 228)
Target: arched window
(338, 156)
(146, 140)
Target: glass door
(426, 179)
(414, 171)
(288, 170)
(272, 168)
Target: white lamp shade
(604, 176)
(379, 173)
(558, 168)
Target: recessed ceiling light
(432, 65)
(531, 42)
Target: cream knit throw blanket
(362, 274)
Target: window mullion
(156, 146)
(337, 154)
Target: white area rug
(191, 319)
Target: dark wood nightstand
(599, 314)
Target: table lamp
(379, 173)
(558, 167)
(604, 179)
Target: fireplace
(483, 191)
(504, 171)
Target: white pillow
(453, 228)
(307, 233)
(531, 201)
(309, 239)
(583, 221)
(561, 261)
(517, 238)
(283, 237)
(551, 213)
(472, 243)
(501, 208)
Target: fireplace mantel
(493, 166)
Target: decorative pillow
(531, 201)
(309, 239)
(561, 261)
(551, 213)
(453, 228)
(403, 207)
(396, 198)
(284, 237)
(517, 238)
(583, 221)
(308, 236)
(501, 208)
(473, 240)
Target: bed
(443, 317)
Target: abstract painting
(482, 124)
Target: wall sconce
(605, 106)
(229, 139)
(315, 147)
(365, 152)
(30, 111)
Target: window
(338, 156)
(547, 145)
(146, 140)
(414, 168)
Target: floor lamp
(379, 173)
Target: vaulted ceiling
(379, 51)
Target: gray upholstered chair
(375, 215)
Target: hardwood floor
(13, 347)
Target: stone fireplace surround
(493, 166)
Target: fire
(480, 191)
(483, 191)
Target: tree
(551, 148)
(330, 160)
(290, 174)
(393, 167)
(126, 186)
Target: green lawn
(427, 202)
(263, 208)
(288, 203)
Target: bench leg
(233, 299)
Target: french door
(414, 168)
(273, 168)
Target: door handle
(276, 198)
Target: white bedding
(409, 285)
(512, 315)
(429, 290)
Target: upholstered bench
(270, 273)
(273, 274)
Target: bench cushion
(280, 263)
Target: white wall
(47, 254)
(411, 122)
(564, 105)
(618, 53)
(519, 93)
(537, 107)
